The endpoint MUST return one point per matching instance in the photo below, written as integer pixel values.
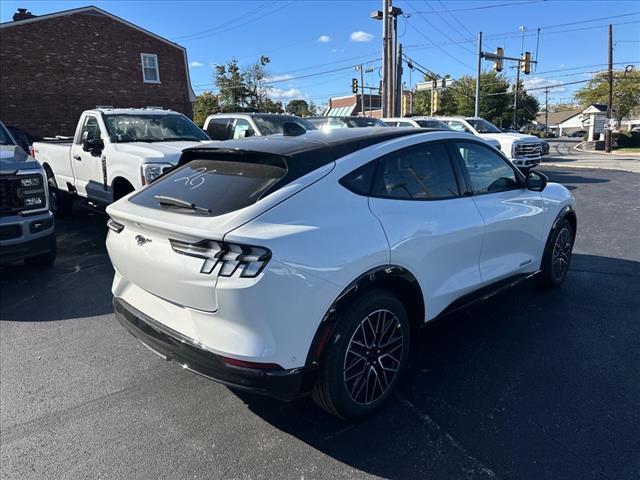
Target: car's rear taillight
(231, 257)
(32, 151)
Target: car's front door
(513, 215)
(89, 167)
(432, 229)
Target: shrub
(628, 139)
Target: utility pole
(607, 132)
(546, 111)
(515, 96)
(389, 17)
(397, 107)
(361, 69)
(477, 106)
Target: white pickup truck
(113, 152)
(523, 150)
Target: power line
(484, 7)
(441, 49)
(447, 22)
(235, 27)
(227, 23)
(455, 18)
(437, 28)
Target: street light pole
(477, 105)
(607, 132)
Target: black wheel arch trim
(362, 283)
(565, 212)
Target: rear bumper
(278, 382)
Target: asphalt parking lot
(528, 385)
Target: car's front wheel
(366, 355)
(557, 257)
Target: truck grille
(9, 202)
(527, 150)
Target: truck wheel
(366, 356)
(60, 203)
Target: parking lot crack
(455, 444)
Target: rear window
(214, 186)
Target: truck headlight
(31, 192)
(151, 171)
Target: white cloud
(539, 82)
(196, 64)
(278, 78)
(285, 94)
(361, 36)
(324, 38)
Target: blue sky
(313, 45)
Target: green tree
(233, 91)
(206, 104)
(528, 107)
(626, 93)
(271, 106)
(298, 107)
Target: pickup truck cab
(228, 126)
(26, 224)
(523, 150)
(114, 152)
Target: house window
(150, 72)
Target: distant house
(52, 67)
(560, 123)
(592, 119)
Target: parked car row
(291, 256)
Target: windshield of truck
(5, 138)
(482, 126)
(125, 128)
(274, 124)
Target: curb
(598, 152)
(584, 167)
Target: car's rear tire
(60, 203)
(365, 357)
(557, 258)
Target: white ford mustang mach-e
(287, 265)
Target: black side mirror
(249, 132)
(94, 146)
(293, 129)
(536, 181)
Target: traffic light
(354, 85)
(497, 65)
(436, 100)
(525, 63)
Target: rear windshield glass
(213, 186)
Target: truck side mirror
(94, 146)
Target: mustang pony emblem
(140, 240)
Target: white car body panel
(322, 237)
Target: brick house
(52, 67)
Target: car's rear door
(513, 215)
(433, 230)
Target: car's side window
(240, 126)
(404, 124)
(488, 171)
(420, 172)
(90, 130)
